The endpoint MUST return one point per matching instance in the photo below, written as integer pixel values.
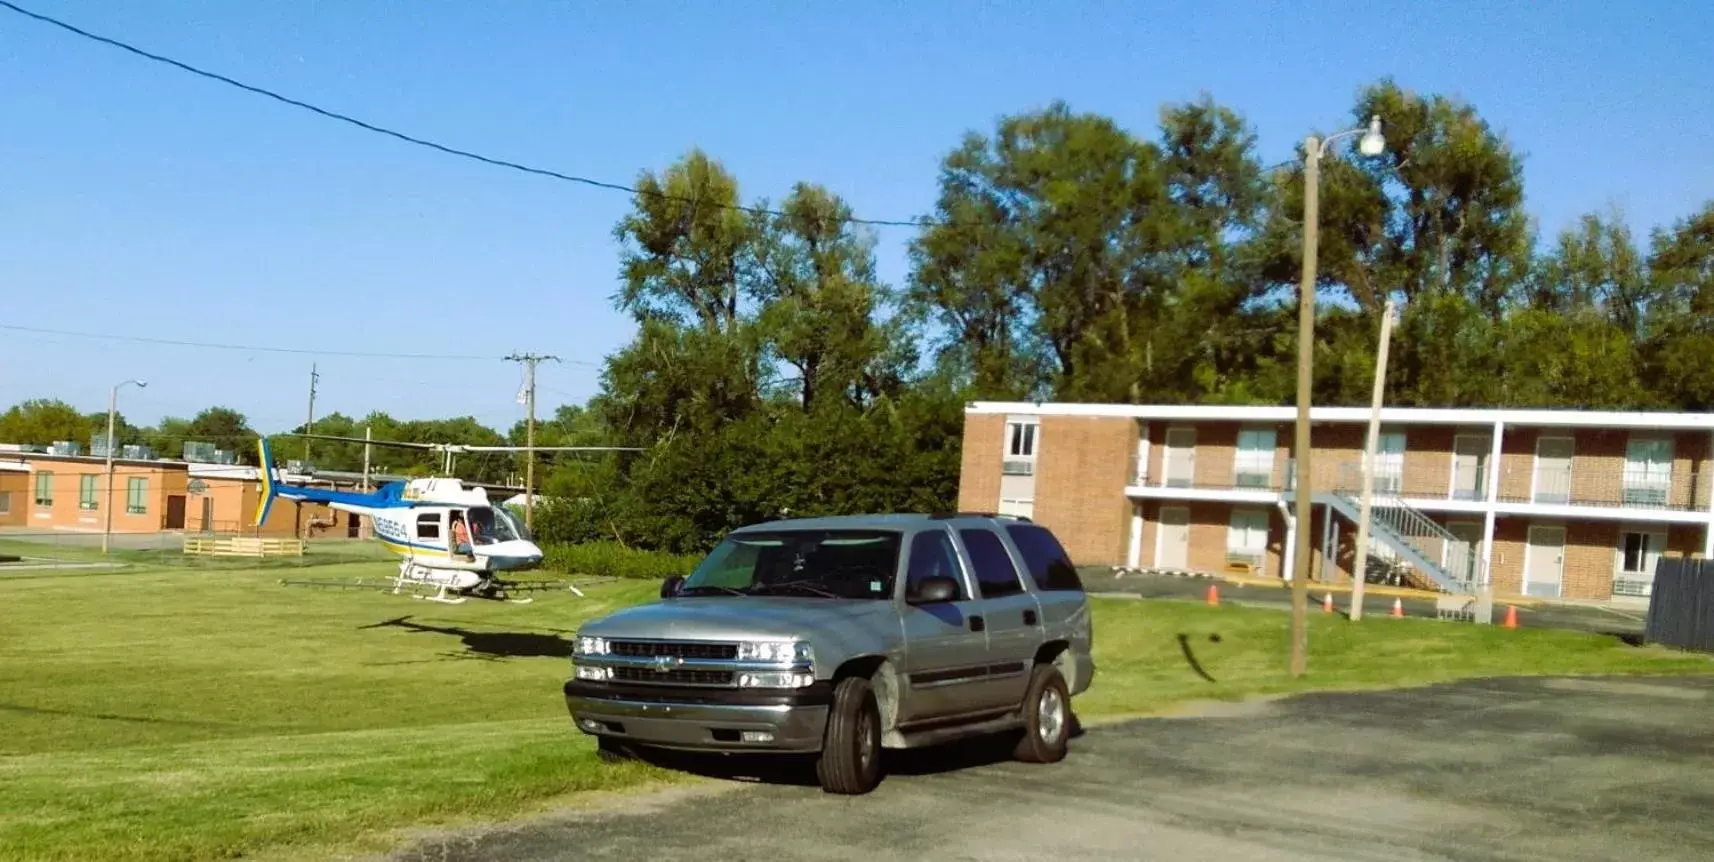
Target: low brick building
(41, 492)
(1552, 503)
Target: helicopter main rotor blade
(395, 443)
(551, 448)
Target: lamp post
(112, 410)
(1314, 150)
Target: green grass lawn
(183, 714)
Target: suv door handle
(978, 624)
(1029, 617)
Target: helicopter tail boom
(272, 488)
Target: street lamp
(112, 410)
(1314, 150)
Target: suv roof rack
(945, 516)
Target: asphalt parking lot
(1600, 620)
(1550, 769)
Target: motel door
(1546, 561)
(1172, 548)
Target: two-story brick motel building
(1548, 503)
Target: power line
(296, 350)
(422, 142)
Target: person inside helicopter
(461, 537)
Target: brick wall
(1428, 460)
(1517, 463)
(1511, 535)
(1209, 525)
(979, 470)
(1684, 540)
(1337, 451)
(1216, 454)
(1589, 548)
(1597, 465)
(1692, 471)
(15, 486)
(1082, 468)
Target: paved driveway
(1551, 769)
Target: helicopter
(419, 518)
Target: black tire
(1045, 736)
(611, 750)
(850, 759)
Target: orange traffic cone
(1511, 616)
(1213, 594)
(1398, 608)
(1327, 603)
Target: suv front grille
(681, 649)
(672, 677)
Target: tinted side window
(932, 556)
(1046, 559)
(995, 574)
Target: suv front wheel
(850, 760)
(1047, 717)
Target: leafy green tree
(1679, 347)
(42, 421)
(814, 279)
(684, 246)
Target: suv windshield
(833, 564)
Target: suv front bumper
(702, 719)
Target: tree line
(773, 373)
(45, 421)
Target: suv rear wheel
(1047, 717)
(850, 760)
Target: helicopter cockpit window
(488, 527)
(516, 522)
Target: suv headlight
(775, 679)
(776, 652)
(589, 646)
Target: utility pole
(309, 426)
(368, 435)
(1360, 573)
(1304, 486)
(1314, 150)
(530, 360)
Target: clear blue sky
(136, 199)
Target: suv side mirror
(671, 586)
(933, 591)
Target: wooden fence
(242, 546)
(1681, 605)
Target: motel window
(136, 496)
(1639, 551)
(1255, 460)
(1648, 471)
(5, 502)
(1021, 439)
(86, 491)
(1247, 534)
(1390, 462)
(45, 488)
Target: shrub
(610, 559)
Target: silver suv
(838, 637)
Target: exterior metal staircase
(1400, 537)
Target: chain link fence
(22, 551)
